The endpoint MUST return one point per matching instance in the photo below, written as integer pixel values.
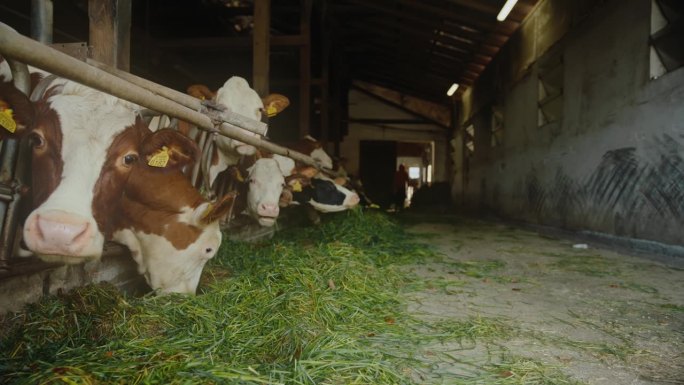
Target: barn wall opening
(381, 159)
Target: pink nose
(268, 210)
(56, 232)
(352, 200)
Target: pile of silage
(312, 306)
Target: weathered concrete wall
(614, 162)
(365, 106)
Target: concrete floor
(593, 315)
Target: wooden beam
(261, 46)
(305, 70)
(110, 32)
(437, 30)
(229, 42)
(325, 44)
(388, 121)
(434, 112)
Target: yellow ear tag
(238, 176)
(271, 110)
(7, 121)
(296, 186)
(160, 159)
(207, 211)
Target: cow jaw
(165, 268)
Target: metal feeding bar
(23, 49)
(188, 101)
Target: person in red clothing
(401, 178)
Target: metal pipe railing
(188, 101)
(21, 48)
(8, 155)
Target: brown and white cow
(87, 149)
(75, 165)
(170, 229)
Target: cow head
(266, 181)
(171, 230)
(238, 97)
(326, 196)
(73, 131)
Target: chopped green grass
(294, 310)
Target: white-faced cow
(238, 97)
(87, 178)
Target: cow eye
(36, 140)
(129, 159)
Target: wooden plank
(434, 112)
(261, 46)
(229, 42)
(326, 43)
(305, 70)
(110, 32)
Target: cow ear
(275, 103)
(16, 111)
(341, 181)
(212, 212)
(169, 149)
(307, 171)
(200, 91)
(285, 164)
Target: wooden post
(110, 32)
(305, 69)
(325, 74)
(261, 46)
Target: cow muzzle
(268, 213)
(352, 200)
(57, 235)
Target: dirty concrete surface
(542, 309)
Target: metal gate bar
(21, 48)
(181, 98)
(9, 183)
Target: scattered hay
(307, 307)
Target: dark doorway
(377, 163)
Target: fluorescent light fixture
(506, 9)
(452, 89)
